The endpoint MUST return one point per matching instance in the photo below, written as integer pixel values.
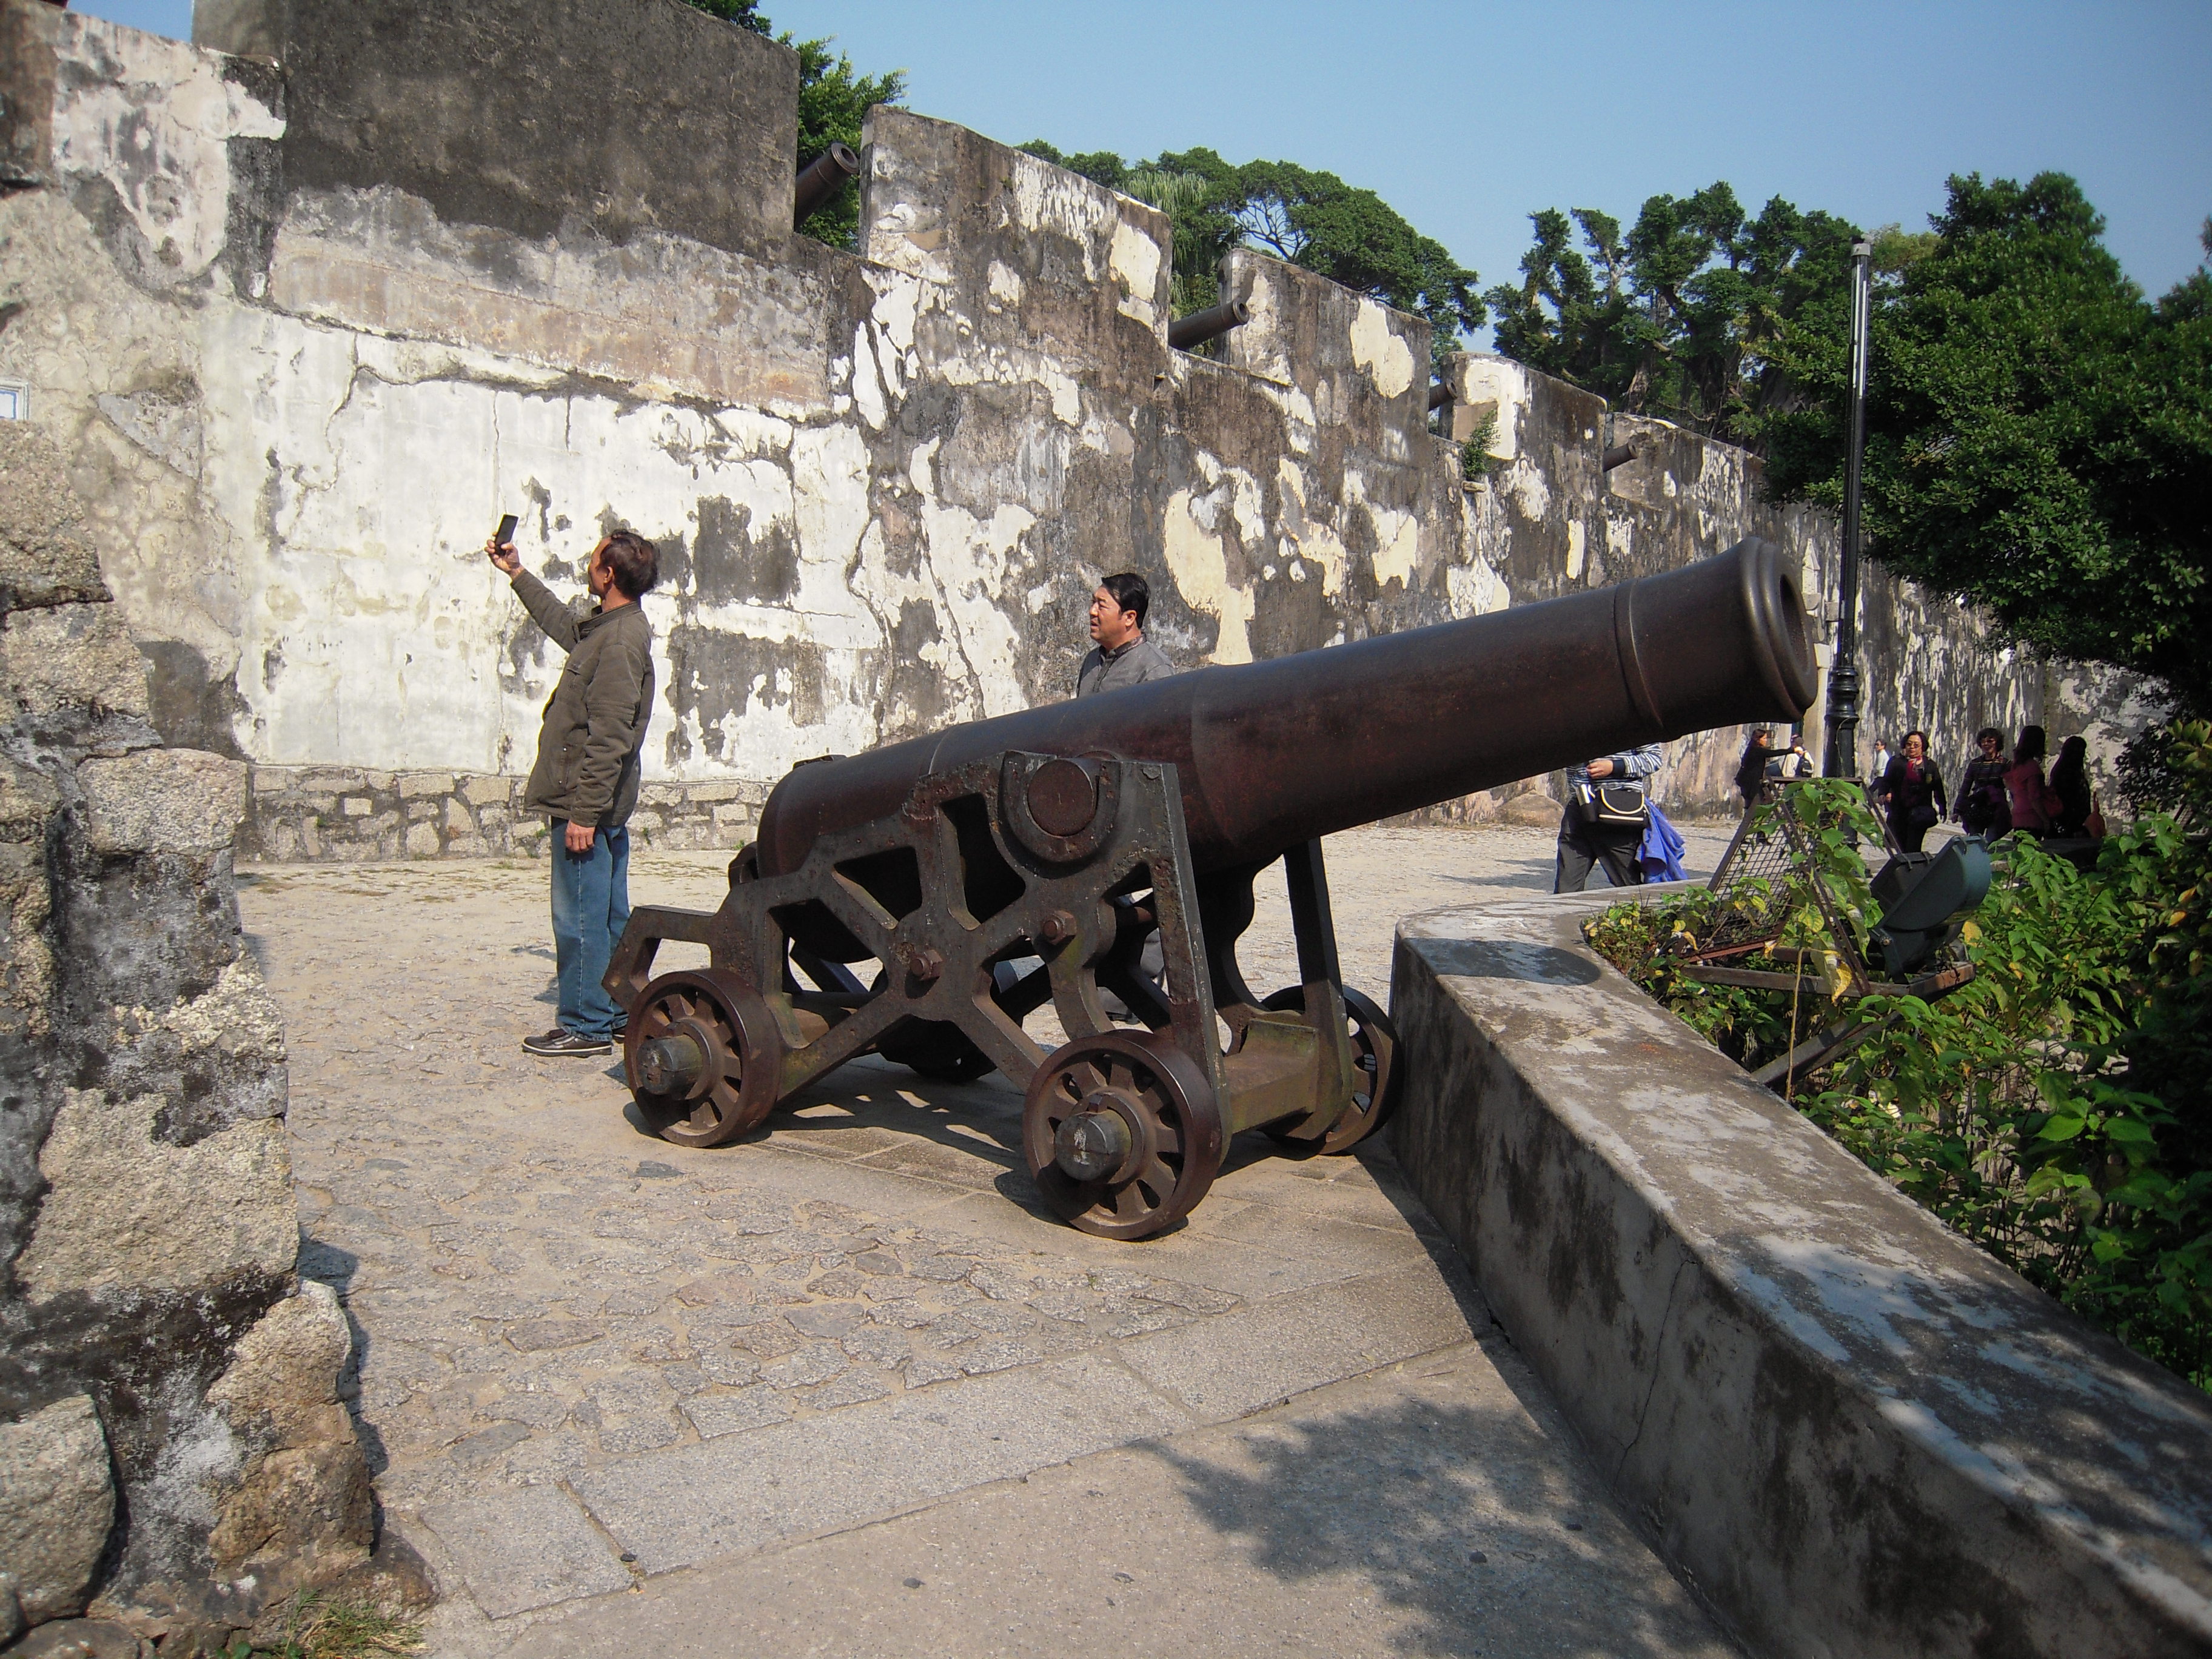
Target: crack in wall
(1658, 1358)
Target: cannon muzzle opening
(1186, 333)
(822, 179)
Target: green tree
(746, 14)
(1677, 317)
(2039, 434)
(1311, 219)
(833, 101)
(1101, 167)
(1352, 236)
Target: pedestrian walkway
(841, 1388)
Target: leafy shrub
(2053, 1109)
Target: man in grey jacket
(1123, 656)
(585, 778)
(1611, 845)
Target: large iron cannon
(1070, 837)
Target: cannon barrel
(1201, 326)
(1270, 755)
(821, 178)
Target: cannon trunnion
(996, 867)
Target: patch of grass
(321, 1629)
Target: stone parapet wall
(1852, 1432)
(350, 814)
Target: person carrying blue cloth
(1659, 852)
(1592, 832)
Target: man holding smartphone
(585, 779)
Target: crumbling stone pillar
(172, 1454)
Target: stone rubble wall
(348, 814)
(299, 356)
(173, 1456)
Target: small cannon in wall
(1188, 333)
(1071, 835)
(821, 178)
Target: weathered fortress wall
(173, 1450)
(306, 318)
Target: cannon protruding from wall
(1188, 333)
(821, 178)
(1070, 835)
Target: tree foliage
(833, 101)
(1677, 317)
(1310, 219)
(2038, 434)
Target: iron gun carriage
(1071, 835)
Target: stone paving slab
(1429, 1509)
(1250, 1357)
(527, 1548)
(693, 1503)
(554, 1308)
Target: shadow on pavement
(1456, 1514)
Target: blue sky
(1466, 118)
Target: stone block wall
(304, 315)
(172, 1454)
(348, 814)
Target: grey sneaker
(561, 1041)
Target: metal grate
(1766, 873)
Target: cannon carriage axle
(1072, 836)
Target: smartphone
(505, 535)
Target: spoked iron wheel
(1375, 1076)
(702, 1056)
(1122, 1133)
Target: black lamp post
(1842, 760)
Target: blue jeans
(591, 908)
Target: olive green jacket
(595, 720)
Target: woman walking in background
(2069, 788)
(1985, 810)
(1750, 770)
(1914, 789)
(2031, 797)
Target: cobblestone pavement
(610, 1384)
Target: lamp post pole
(1842, 760)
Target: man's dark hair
(1130, 593)
(1988, 731)
(633, 561)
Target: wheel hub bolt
(1092, 1144)
(669, 1065)
(1058, 927)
